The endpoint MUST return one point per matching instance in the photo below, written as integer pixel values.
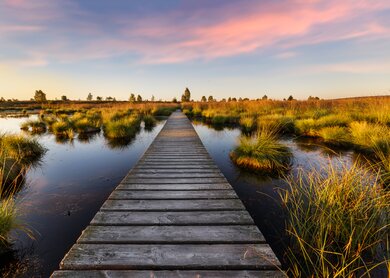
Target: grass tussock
(368, 136)
(122, 128)
(335, 136)
(247, 124)
(17, 153)
(9, 221)
(23, 150)
(63, 129)
(338, 222)
(149, 122)
(34, 126)
(262, 154)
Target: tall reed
(338, 222)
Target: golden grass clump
(338, 222)
(262, 154)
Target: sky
(236, 48)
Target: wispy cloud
(187, 33)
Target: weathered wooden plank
(169, 256)
(175, 166)
(172, 153)
(172, 194)
(173, 205)
(177, 160)
(130, 179)
(170, 163)
(176, 175)
(176, 151)
(168, 274)
(181, 186)
(123, 218)
(174, 171)
(172, 234)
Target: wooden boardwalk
(173, 215)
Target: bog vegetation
(337, 220)
(17, 154)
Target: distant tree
(203, 99)
(310, 98)
(109, 98)
(240, 99)
(39, 96)
(264, 97)
(139, 98)
(246, 99)
(223, 100)
(234, 99)
(174, 100)
(99, 98)
(290, 98)
(2, 99)
(132, 98)
(229, 99)
(210, 98)
(89, 97)
(64, 98)
(186, 96)
(153, 98)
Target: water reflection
(260, 195)
(61, 196)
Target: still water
(74, 178)
(62, 194)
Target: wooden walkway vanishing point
(173, 215)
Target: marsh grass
(123, 128)
(369, 136)
(149, 122)
(338, 222)
(248, 124)
(13, 166)
(34, 126)
(335, 136)
(382, 156)
(262, 154)
(63, 129)
(23, 150)
(163, 111)
(277, 122)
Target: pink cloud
(260, 27)
(204, 34)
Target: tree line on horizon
(40, 96)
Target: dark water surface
(65, 191)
